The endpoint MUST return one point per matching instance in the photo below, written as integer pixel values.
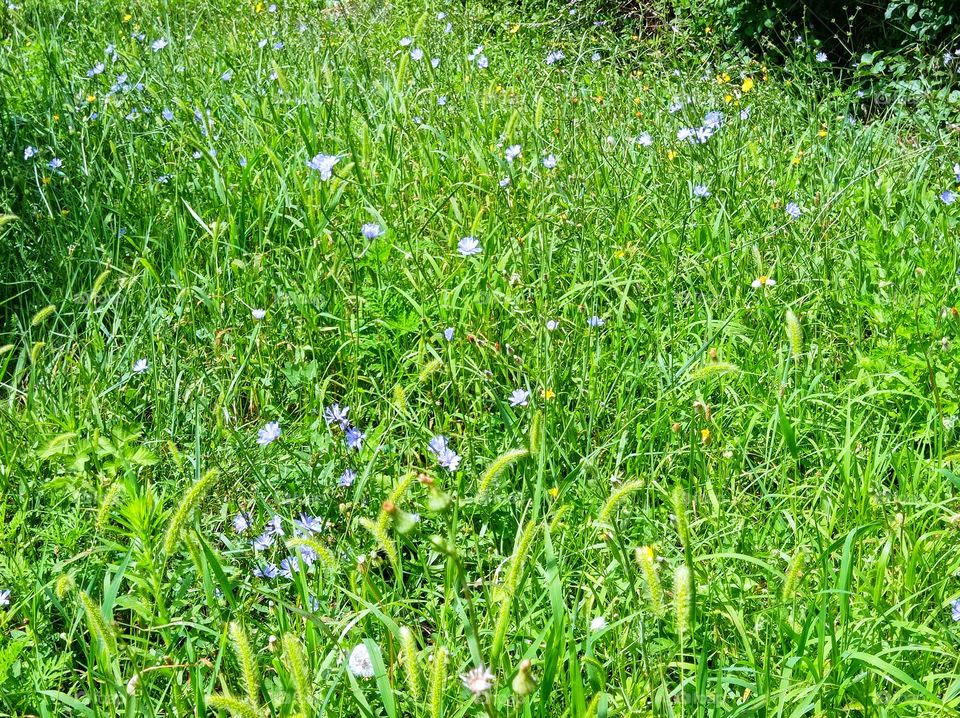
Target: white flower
(550, 161)
(258, 314)
(763, 281)
(468, 246)
(416, 54)
(519, 397)
(360, 663)
(323, 164)
(434, 62)
(598, 623)
(140, 366)
(158, 45)
(552, 324)
(405, 41)
(512, 152)
(478, 681)
(821, 57)
(4, 598)
(644, 139)
(505, 182)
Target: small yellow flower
(747, 84)
(45, 180)
(258, 7)
(515, 28)
(822, 132)
(56, 118)
(728, 98)
(705, 436)
(91, 98)
(671, 154)
(127, 17)
(619, 254)
(554, 492)
(549, 394)
(708, 30)
(723, 79)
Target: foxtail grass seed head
(234, 706)
(438, 679)
(190, 500)
(682, 598)
(247, 660)
(495, 468)
(622, 492)
(296, 662)
(97, 625)
(646, 559)
(794, 334)
(43, 314)
(536, 433)
(408, 650)
(792, 575)
(64, 586)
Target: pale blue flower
(158, 45)
(504, 182)
(354, 438)
(29, 151)
(552, 324)
(227, 76)
(274, 526)
(335, 414)
(269, 433)
(519, 397)
(258, 314)
(469, 246)
(437, 443)
(595, 57)
(554, 57)
(371, 230)
(434, 62)
(263, 541)
(701, 191)
(405, 41)
(55, 164)
(954, 609)
(309, 524)
(956, 172)
(449, 459)
(288, 566)
(323, 164)
(512, 152)
(948, 197)
(482, 62)
(241, 522)
(644, 139)
(4, 598)
(95, 70)
(167, 114)
(550, 161)
(448, 334)
(793, 209)
(140, 366)
(347, 478)
(267, 571)
(595, 321)
(416, 54)
(821, 57)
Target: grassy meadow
(445, 360)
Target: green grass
(755, 488)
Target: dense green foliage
(698, 386)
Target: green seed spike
(247, 661)
(438, 677)
(233, 706)
(408, 650)
(794, 334)
(648, 567)
(616, 497)
(495, 468)
(193, 496)
(40, 316)
(296, 662)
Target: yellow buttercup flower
(747, 84)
